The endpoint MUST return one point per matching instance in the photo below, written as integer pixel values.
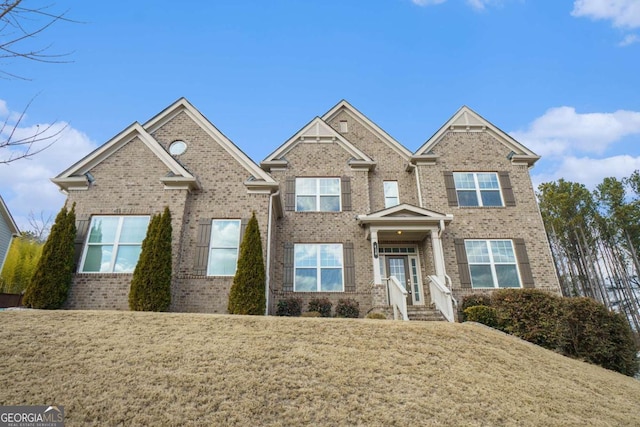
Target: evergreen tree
(151, 282)
(49, 285)
(247, 295)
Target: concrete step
(424, 314)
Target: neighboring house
(342, 208)
(8, 230)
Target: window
(477, 188)
(492, 264)
(344, 128)
(177, 147)
(391, 194)
(114, 244)
(318, 194)
(318, 268)
(223, 249)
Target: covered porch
(408, 259)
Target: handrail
(442, 298)
(397, 298)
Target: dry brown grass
(111, 368)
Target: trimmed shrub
(49, 285)
(311, 314)
(473, 300)
(481, 314)
(529, 314)
(289, 307)
(348, 308)
(321, 305)
(247, 294)
(376, 315)
(596, 335)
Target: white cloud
(629, 39)
(25, 184)
(623, 13)
(561, 130)
(589, 171)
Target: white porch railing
(397, 298)
(441, 297)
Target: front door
(398, 266)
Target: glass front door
(398, 266)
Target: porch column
(377, 279)
(438, 255)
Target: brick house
(345, 211)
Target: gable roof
(77, 176)
(317, 131)
(8, 219)
(368, 124)
(404, 213)
(467, 120)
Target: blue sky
(561, 77)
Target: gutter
(268, 272)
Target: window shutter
(243, 228)
(463, 263)
(349, 268)
(82, 226)
(507, 191)
(450, 186)
(290, 194)
(287, 282)
(202, 247)
(523, 263)
(345, 182)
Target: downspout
(415, 170)
(268, 272)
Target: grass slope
(133, 368)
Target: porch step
(424, 314)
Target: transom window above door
(477, 189)
(318, 194)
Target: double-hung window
(318, 268)
(223, 247)
(114, 244)
(391, 197)
(478, 189)
(318, 194)
(492, 264)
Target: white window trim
(478, 190)
(410, 256)
(318, 195)
(116, 244)
(211, 247)
(396, 196)
(318, 266)
(493, 263)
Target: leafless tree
(20, 25)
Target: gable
(317, 132)
(7, 219)
(467, 120)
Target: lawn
(126, 368)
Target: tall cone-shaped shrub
(151, 282)
(49, 285)
(247, 295)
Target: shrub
(474, 300)
(348, 308)
(481, 314)
(247, 294)
(529, 314)
(49, 285)
(311, 314)
(289, 307)
(597, 335)
(321, 305)
(376, 315)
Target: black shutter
(523, 263)
(450, 186)
(290, 194)
(507, 191)
(346, 193)
(287, 281)
(463, 263)
(349, 268)
(202, 247)
(81, 232)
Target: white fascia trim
(13, 227)
(261, 187)
(183, 105)
(179, 183)
(72, 183)
(407, 207)
(362, 164)
(371, 126)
